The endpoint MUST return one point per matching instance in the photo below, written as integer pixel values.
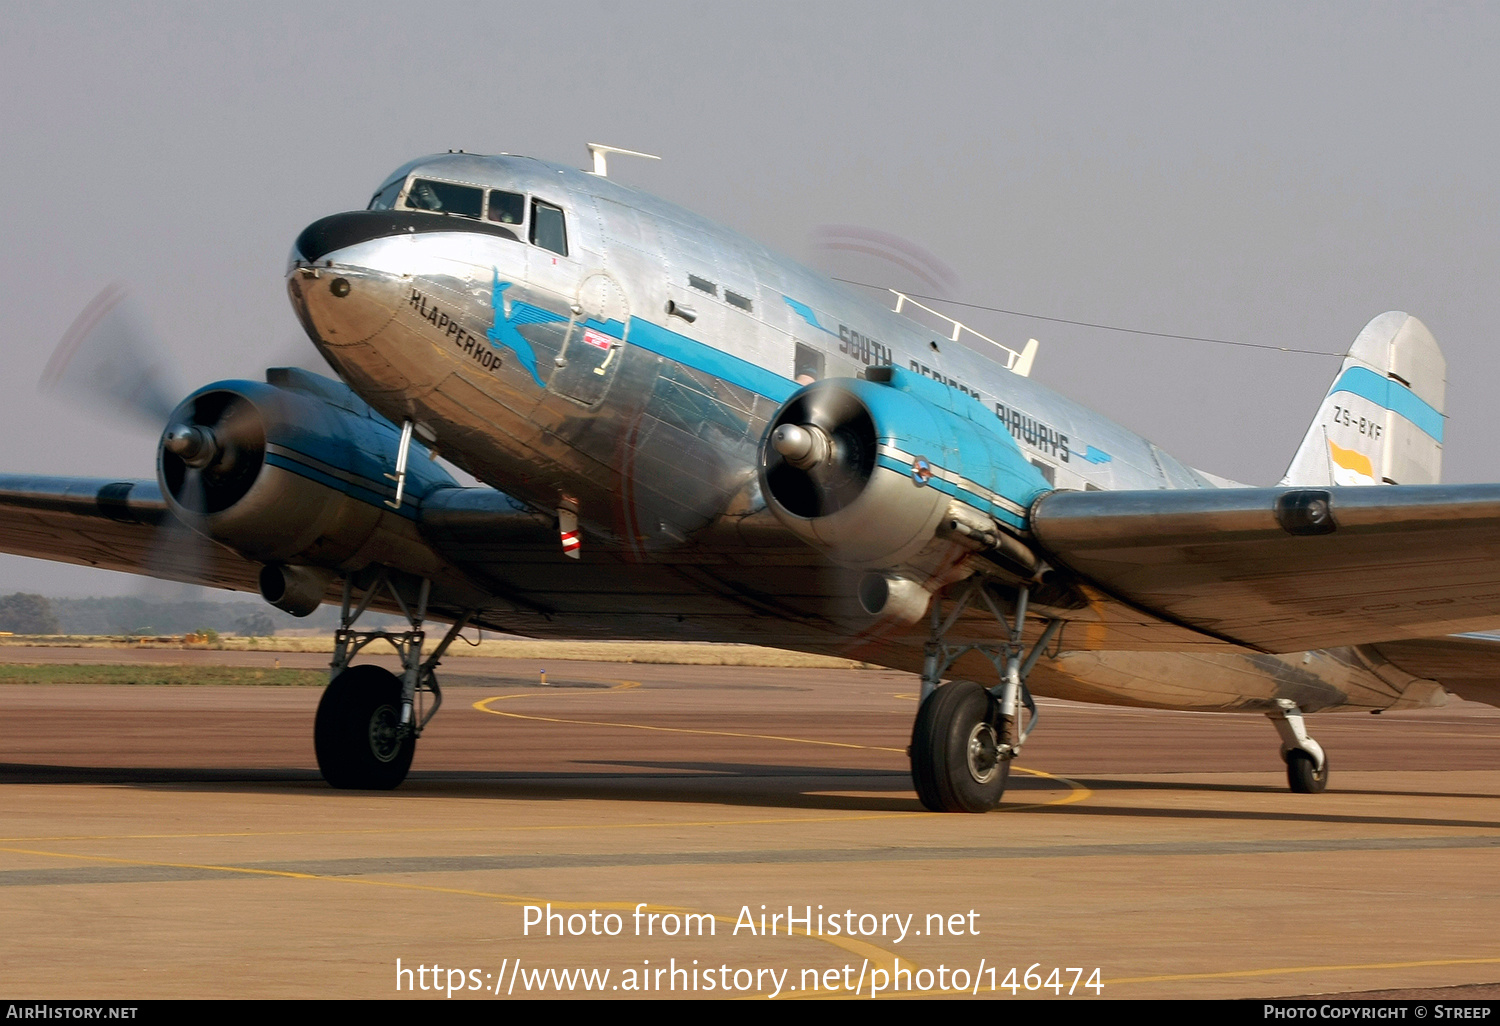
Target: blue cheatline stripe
(1392, 395)
(656, 339)
(651, 337)
(806, 313)
(364, 495)
(949, 488)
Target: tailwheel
(358, 735)
(1303, 774)
(956, 760)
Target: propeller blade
(878, 257)
(111, 357)
(211, 453)
(299, 352)
(193, 496)
(113, 360)
(828, 408)
(178, 552)
(240, 426)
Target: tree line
(24, 613)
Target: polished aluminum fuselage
(631, 379)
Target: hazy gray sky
(1275, 173)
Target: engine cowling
(871, 472)
(293, 473)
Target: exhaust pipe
(294, 589)
(894, 598)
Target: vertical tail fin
(1382, 420)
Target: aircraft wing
(114, 525)
(1467, 665)
(1288, 569)
(127, 526)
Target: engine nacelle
(872, 471)
(294, 472)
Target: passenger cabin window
(808, 365)
(506, 207)
(735, 299)
(385, 199)
(445, 198)
(547, 228)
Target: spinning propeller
(212, 451)
(111, 360)
(821, 452)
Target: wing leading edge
(1289, 569)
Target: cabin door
(592, 354)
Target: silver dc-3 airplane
(683, 435)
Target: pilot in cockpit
(506, 207)
(423, 197)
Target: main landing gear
(965, 736)
(1306, 763)
(369, 719)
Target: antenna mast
(600, 153)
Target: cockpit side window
(445, 198)
(547, 227)
(506, 207)
(385, 199)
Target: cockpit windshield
(445, 198)
(543, 224)
(385, 199)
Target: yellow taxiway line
(1077, 791)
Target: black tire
(954, 764)
(1301, 777)
(355, 733)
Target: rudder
(1382, 420)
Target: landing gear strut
(1306, 763)
(965, 736)
(369, 719)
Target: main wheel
(357, 732)
(1301, 774)
(955, 750)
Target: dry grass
(155, 675)
(673, 653)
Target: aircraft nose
(339, 231)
